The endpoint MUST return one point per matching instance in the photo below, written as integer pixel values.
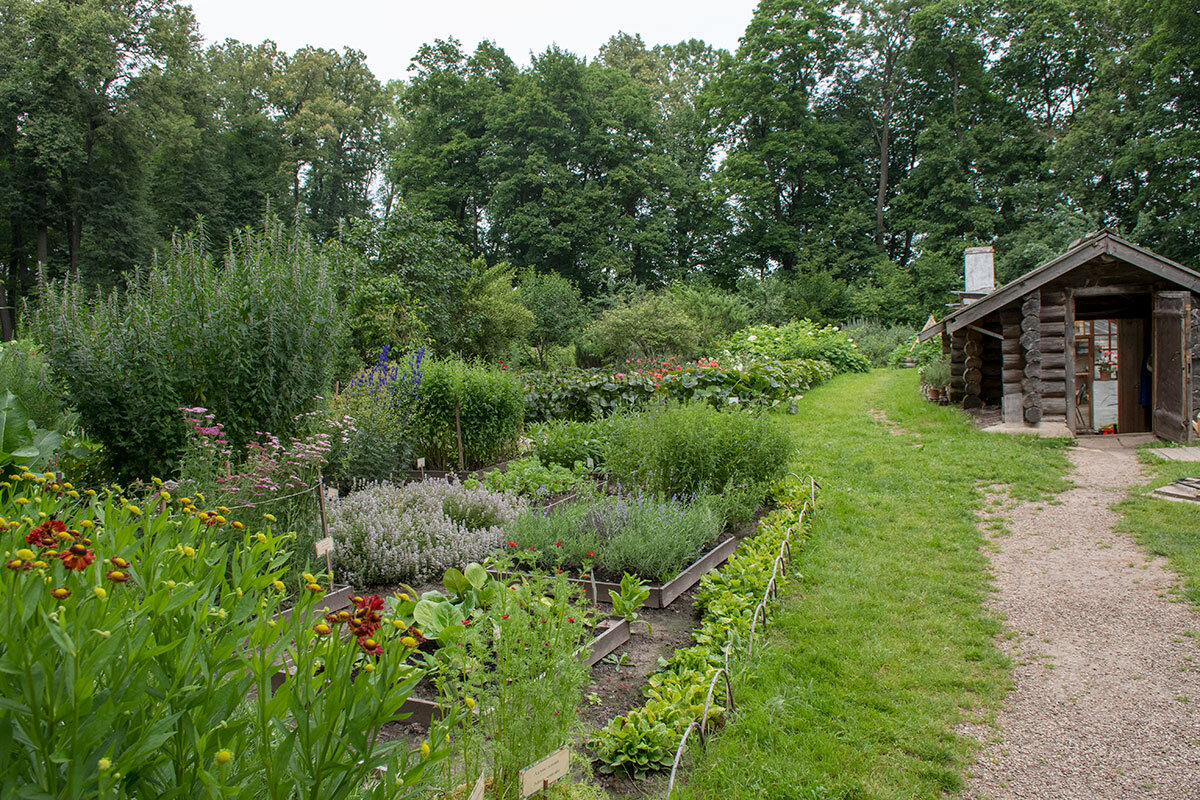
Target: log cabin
(1100, 339)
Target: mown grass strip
(1163, 527)
(884, 645)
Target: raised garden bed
(610, 635)
(662, 595)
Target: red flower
(591, 555)
(370, 646)
(61, 593)
(466, 622)
(17, 564)
(372, 603)
(571, 620)
(78, 557)
(504, 616)
(558, 544)
(117, 576)
(44, 535)
(512, 544)
(119, 562)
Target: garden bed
(661, 595)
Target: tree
(557, 308)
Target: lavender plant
(648, 536)
(390, 533)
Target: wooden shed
(1100, 339)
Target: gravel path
(1106, 702)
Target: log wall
(973, 369)
(1053, 368)
(1031, 351)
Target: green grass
(884, 645)
(1163, 527)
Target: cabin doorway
(1113, 387)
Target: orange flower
(78, 557)
(119, 562)
(61, 593)
(322, 629)
(370, 646)
(117, 576)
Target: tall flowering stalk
(381, 401)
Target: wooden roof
(1092, 246)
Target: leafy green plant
(490, 411)
(21, 440)
(936, 373)
(570, 444)
(876, 340)
(253, 339)
(654, 326)
(627, 602)
(800, 339)
(920, 353)
(529, 478)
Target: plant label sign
(551, 769)
(324, 546)
(477, 792)
(421, 464)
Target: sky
(390, 32)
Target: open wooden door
(1172, 409)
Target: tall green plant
(252, 338)
(487, 403)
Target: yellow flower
(369, 667)
(104, 764)
(85, 523)
(219, 519)
(424, 748)
(403, 596)
(221, 613)
(279, 586)
(41, 564)
(271, 623)
(308, 577)
(132, 509)
(314, 587)
(25, 554)
(223, 756)
(68, 485)
(22, 501)
(469, 702)
(261, 538)
(269, 517)
(408, 641)
(164, 494)
(170, 584)
(189, 551)
(239, 526)
(156, 481)
(99, 592)
(90, 492)
(73, 494)
(223, 509)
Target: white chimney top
(980, 271)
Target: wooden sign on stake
(324, 528)
(538, 776)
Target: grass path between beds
(884, 646)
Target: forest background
(834, 167)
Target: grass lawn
(884, 645)
(1165, 528)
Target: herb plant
(529, 478)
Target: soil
(1105, 666)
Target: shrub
(717, 314)
(655, 326)
(491, 409)
(150, 672)
(568, 443)
(801, 339)
(763, 382)
(388, 533)
(557, 307)
(583, 395)
(936, 373)
(876, 341)
(643, 535)
(254, 339)
(25, 372)
(696, 449)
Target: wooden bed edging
(660, 596)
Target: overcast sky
(390, 32)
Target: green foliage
(758, 383)
(25, 372)
(877, 341)
(717, 314)
(253, 339)
(383, 312)
(920, 353)
(570, 444)
(936, 373)
(528, 477)
(629, 599)
(372, 420)
(584, 395)
(21, 440)
(696, 449)
(147, 620)
(644, 535)
(557, 308)
(492, 320)
(655, 326)
(490, 407)
(646, 738)
(800, 339)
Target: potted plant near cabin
(935, 377)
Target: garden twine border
(778, 570)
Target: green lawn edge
(883, 646)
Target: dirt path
(1106, 702)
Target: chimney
(980, 273)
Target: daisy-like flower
(313, 587)
(117, 576)
(322, 629)
(119, 562)
(269, 517)
(61, 593)
(16, 564)
(370, 646)
(239, 526)
(408, 641)
(78, 557)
